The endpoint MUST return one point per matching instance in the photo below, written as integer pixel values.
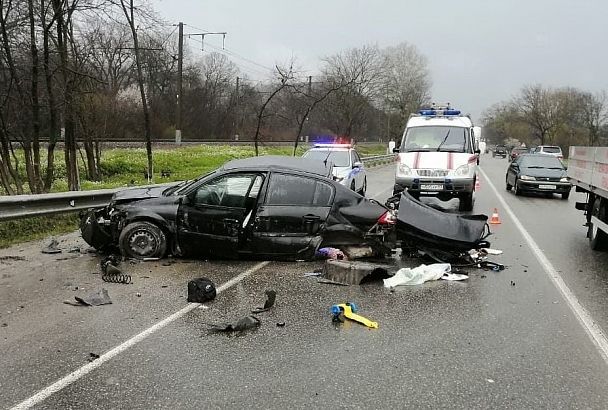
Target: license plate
(431, 187)
(547, 186)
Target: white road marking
(594, 331)
(84, 370)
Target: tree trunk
(130, 15)
(36, 177)
(52, 107)
(89, 150)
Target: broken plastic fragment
(98, 298)
(271, 296)
(245, 323)
(52, 247)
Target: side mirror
(395, 150)
(358, 164)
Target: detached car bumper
(544, 186)
(94, 229)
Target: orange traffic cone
(495, 220)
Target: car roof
(283, 162)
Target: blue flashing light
(427, 112)
(451, 112)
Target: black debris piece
(52, 247)
(98, 298)
(201, 290)
(271, 296)
(245, 323)
(280, 324)
(93, 356)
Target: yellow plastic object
(348, 313)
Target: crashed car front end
(101, 228)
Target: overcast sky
(479, 51)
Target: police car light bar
(329, 145)
(439, 113)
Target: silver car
(348, 169)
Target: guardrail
(27, 206)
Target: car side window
(228, 190)
(298, 190)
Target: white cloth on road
(418, 275)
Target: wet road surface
(507, 339)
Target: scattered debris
(358, 252)
(271, 296)
(418, 275)
(454, 277)
(245, 323)
(309, 274)
(74, 249)
(93, 356)
(138, 294)
(201, 290)
(52, 247)
(491, 251)
(280, 324)
(11, 258)
(330, 282)
(331, 253)
(353, 273)
(348, 310)
(512, 283)
(98, 298)
(490, 380)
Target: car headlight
(527, 178)
(403, 170)
(462, 170)
(564, 179)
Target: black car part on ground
(423, 227)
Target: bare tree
(128, 9)
(542, 109)
(594, 113)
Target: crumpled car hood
(135, 194)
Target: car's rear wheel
(466, 202)
(598, 239)
(142, 240)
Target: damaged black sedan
(262, 207)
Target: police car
(348, 169)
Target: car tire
(364, 188)
(507, 185)
(516, 189)
(466, 202)
(598, 239)
(566, 195)
(141, 240)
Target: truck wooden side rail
(588, 172)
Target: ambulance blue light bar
(439, 112)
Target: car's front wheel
(466, 202)
(141, 240)
(508, 186)
(516, 189)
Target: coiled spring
(110, 273)
(116, 278)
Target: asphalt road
(505, 339)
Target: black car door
(293, 214)
(213, 217)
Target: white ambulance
(438, 156)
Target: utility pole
(309, 84)
(180, 90)
(236, 133)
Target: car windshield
(183, 186)
(436, 138)
(541, 161)
(338, 158)
(552, 150)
